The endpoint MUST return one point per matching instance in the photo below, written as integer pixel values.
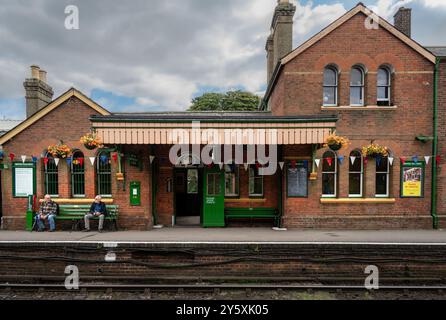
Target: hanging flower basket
(91, 141)
(375, 150)
(60, 150)
(336, 143)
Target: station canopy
(223, 128)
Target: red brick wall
(412, 93)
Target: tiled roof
(438, 51)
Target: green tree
(230, 101)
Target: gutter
(435, 149)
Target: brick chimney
(402, 20)
(280, 42)
(38, 92)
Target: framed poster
(297, 181)
(23, 179)
(412, 180)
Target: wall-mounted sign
(412, 180)
(23, 179)
(297, 180)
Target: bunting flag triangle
(92, 160)
(152, 158)
(427, 159)
(69, 161)
(220, 165)
(391, 160)
(352, 160)
(34, 159)
(366, 161)
(281, 164)
(23, 159)
(318, 162)
(329, 161)
(415, 159)
(246, 165)
(403, 160)
(56, 161)
(437, 159)
(341, 159)
(81, 161)
(12, 156)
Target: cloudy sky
(156, 55)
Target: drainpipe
(435, 148)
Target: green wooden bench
(252, 213)
(76, 214)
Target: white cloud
(160, 53)
(435, 3)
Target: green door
(213, 198)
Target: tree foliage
(229, 101)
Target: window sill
(357, 200)
(366, 108)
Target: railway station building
(361, 78)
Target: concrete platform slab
(234, 235)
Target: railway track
(209, 291)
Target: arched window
(77, 169)
(329, 174)
(383, 86)
(103, 174)
(382, 177)
(356, 174)
(330, 87)
(357, 80)
(51, 175)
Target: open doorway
(188, 196)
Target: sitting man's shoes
(86, 230)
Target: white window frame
(387, 181)
(335, 176)
(362, 86)
(336, 86)
(388, 86)
(356, 172)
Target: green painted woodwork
(213, 197)
(135, 193)
(253, 213)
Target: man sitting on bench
(47, 211)
(97, 209)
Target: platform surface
(234, 235)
